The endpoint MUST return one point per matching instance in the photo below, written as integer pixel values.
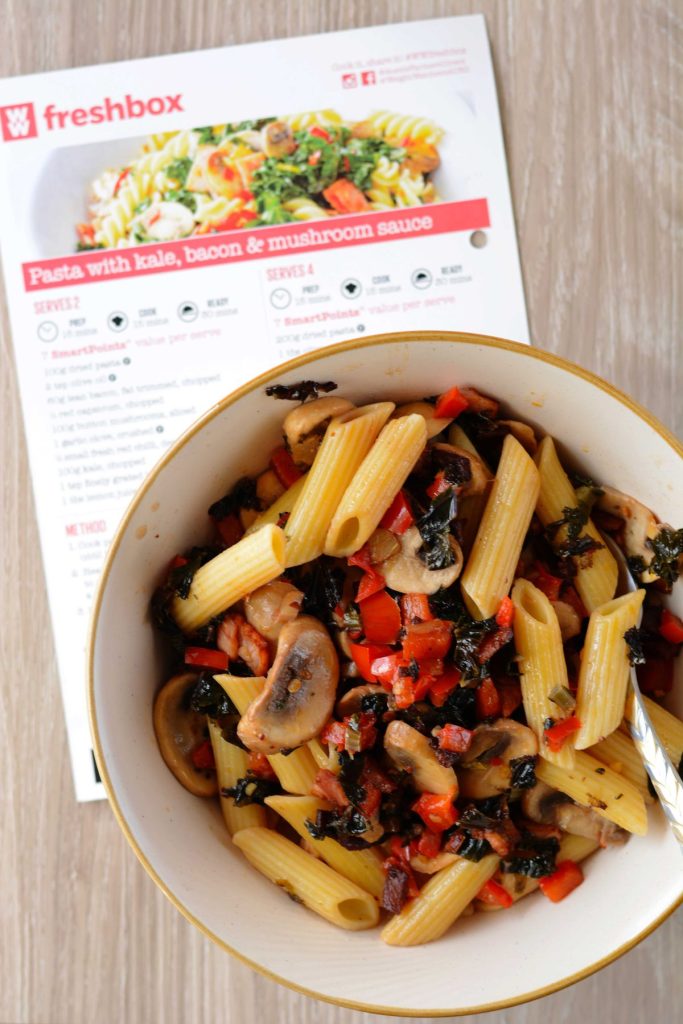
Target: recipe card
(171, 227)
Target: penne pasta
(230, 576)
(346, 443)
(281, 507)
(538, 642)
(595, 785)
(375, 484)
(231, 765)
(618, 752)
(596, 580)
(364, 867)
(605, 669)
(307, 879)
(497, 546)
(440, 902)
(296, 771)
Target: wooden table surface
(590, 94)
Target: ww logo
(18, 122)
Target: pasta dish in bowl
(393, 656)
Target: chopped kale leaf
(634, 638)
(346, 826)
(178, 170)
(434, 527)
(251, 790)
(668, 548)
(534, 857)
(523, 772)
(209, 698)
(300, 392)
(242, 495)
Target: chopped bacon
(239, 639)
(328, 787)
(492, 643)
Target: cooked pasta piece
(667, 726)
(405, 126)
(618, 752)
(230, 576)
(441, 900)
(364, 867)
(490, 568)
(281, 507)
(596, 580)
(595, 785)
(538, 642)
(346, 443)
(231, 765)
(605, 669)
(375, 484)
(296, 771)
(307, 879)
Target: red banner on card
(256, 244)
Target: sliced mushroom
(299, 693)
(408, 574)
(270, 607)
(550, 807)
(476, 402)
(640, 524)
(277, 139)
(568, 618)
(422, 158)
(381, 545)
(305, 426)
(426, 409)
(350, 703)
(430, 865)
(481, 477)
(501, 742)
(412, 752)
(523, 433)
(179, 731)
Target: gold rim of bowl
(263, 380)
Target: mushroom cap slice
(412, 752)
(640, 524)
(269, 607)
(550, 807)
(405, 572)
(426, 409)
(305, 425)
(178, 731)
(504, 740)
(350, 703)
(481, 476)
(300, 689)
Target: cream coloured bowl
(486, 961)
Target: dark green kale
(209, 698)
(180, 578)
(178, 170)
(346, 826)
(468, 636)
(465, 845)
(668, 548)
(362, 156)
(523, 772)
(534, 857)
(575, 520)
(376, 704)
(634, 638)
(180, 195)
(242, 495)
(207, 136)
(322, 584)
(251, 789)
(434, 527)
(302, 391)
(350, 769)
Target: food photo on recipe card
(163, 243)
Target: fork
(663, 774)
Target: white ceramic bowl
(487, 961)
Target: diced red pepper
(671, 627)
(557, 735)
(120, 180)
(455, 738)
(246, 195)
(229, 529)
(443, 686)
(362, 559)
(432, 667)
(487, 699)
(320, 133)
(177, 562)
(450, 404)
(415, 608)
(154, 218)
(510, 696)
(345, 197)
(285, 467)
(398, 517)
(506, 612)
(550, 585)
(381, 618)
(495, 895)
(656, 676)
(334, 734)
(438, 485)
(259, 765)
(86, 233)
(427, 640)
(206, 657)
(328, 787)
(386, 668)
(202, 756)
(564, 879)
(407, 690)
(371, 583)
(437, 810)
(314, 158)
(429, 844)
(398, 850)
(365, 654)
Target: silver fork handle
(663, 775)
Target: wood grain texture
(590, 93)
